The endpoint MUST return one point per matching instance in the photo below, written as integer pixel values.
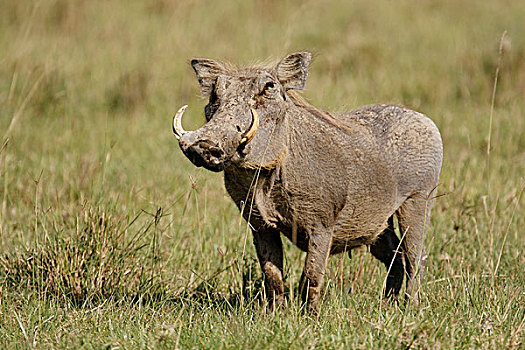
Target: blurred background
(88, 90)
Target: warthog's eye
(269, 85)
(269, 89)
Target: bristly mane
(300, 102)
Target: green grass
(110, 238)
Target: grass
(110, 238)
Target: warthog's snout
(199, 146)
(207, 154)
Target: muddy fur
(328, 182)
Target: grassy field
(110, 238)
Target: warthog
(328, 182)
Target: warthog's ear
(293, 69)
(207, 71)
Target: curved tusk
(250, 134)
(178, 131)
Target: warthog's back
(410, 141)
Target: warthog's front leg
(270, 253)
(314, 268)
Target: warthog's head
(245, 106)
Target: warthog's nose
(207, 154)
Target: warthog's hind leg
(385, 248)
(270, 254)
(413, 217)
